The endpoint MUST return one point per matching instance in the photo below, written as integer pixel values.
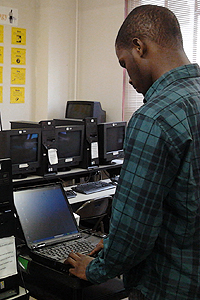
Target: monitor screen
(85, 109)
(66, 146)
(69, 141)
(111, 139)
(44, 214)
(24, 148)
(78, 110)
(115, 138)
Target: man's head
(148, 44)
(155, 23)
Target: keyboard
(70, 194)
(93, 187)
(61, 251)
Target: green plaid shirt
(154, 237)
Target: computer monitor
(84, 109)
(69, 143)
(110, 140)
(48, 144)
(23, 146)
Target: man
(154, 238)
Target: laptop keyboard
(61, 251)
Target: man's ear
(139, 46)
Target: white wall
(54, 73)
(100, 77)
(55, 57)
(26, 14)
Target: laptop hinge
(39, 246)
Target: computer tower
(90, 148)
(7, 217)
(9, 285)
(49, 155)
(48, 151)
(6, 193)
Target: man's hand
(97, 249)
(79, 262)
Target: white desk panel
(82, 197)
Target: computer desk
(45, 283)
(83, 198)
(49, 284)
(23, 295)
(80, 199)
(74, 173)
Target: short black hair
(156, 23)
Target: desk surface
(23, 295)
(82, 197)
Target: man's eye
(122, 64)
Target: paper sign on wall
(1, 74)
(1, 94)
(8, 263)
(8, 16)
(18, 56)
(1, 55)
(17, 94)
(18, 36)
(18, 76)
(1, 33)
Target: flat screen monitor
(111, 140)
(85, 109)
(23, 146)
(69, 143)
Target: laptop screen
(45, 214)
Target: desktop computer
(6, 195)
(9, 278)
(90, 149)
(48, 152)
(90, 145)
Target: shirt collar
(166, 79)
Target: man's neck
(168, 61)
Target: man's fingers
(72, 258)
(73, 255)
(70, 261)
(72, 271)
(98, 248)
(79, 263)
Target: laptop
(48, 225)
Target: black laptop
(48, 224)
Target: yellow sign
(18, 76)
(1, 33)
(17, 94)
(1, 74)
(18, 36)
(1, 94)
(1, 55)
(18, 56)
